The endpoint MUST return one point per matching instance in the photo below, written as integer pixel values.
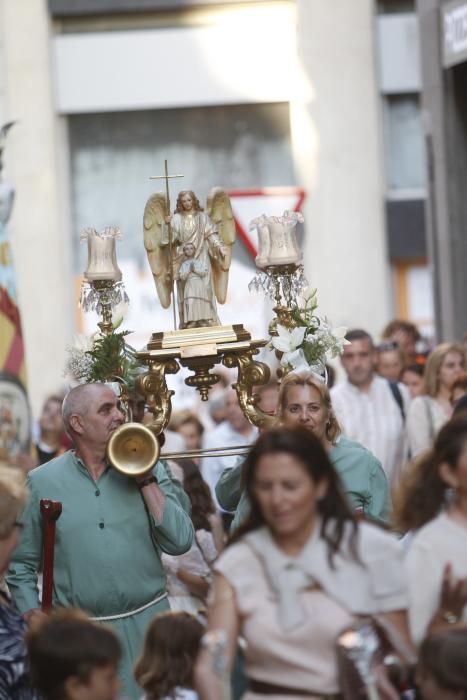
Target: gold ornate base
(104, 288)
(193, 337)
(200, 349)
(284, 317)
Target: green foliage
(305, 315)
(111, 357)
(318, 339)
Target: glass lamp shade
(277, 243)
(102, 256)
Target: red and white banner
(271, 201)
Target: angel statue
(199, 244)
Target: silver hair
(76, 402)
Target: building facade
(443, 37)
(243, 94)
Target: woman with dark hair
(412, 377)
(203, 510)
(433, 502)
(296, 573)
(442, 667)
(189, 575)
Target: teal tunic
(107, 549)
(362, 475)
(363, 478)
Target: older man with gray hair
(110, 535)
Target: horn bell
(133, 449)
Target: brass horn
(133, 449)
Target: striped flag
(14, 408)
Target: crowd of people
(326, 560)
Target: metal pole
(172, 285)
(166, 177)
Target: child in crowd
(72, 658)
(165, 669)
(189, 575)
(442, 667)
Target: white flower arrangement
(101, 358)
(79, 362)
(313, 341)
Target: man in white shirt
(369, 409)
(234, 431)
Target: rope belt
(109, 618)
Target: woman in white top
(429, 412)
(434, 504)
(298, 572)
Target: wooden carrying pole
(50, 512)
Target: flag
(15, 420)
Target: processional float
(189, 252)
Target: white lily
(307, 297)
(295, 359)
(309, 293)
(288, 341)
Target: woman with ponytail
(434, 504)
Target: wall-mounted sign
(454, 32)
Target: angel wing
(158, 256)
(219, 210)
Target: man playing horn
(111, 532)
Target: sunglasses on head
(389, 345)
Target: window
(405, 157)
(113, 156)
(392, 6)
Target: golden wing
(158, 255)
(219, 210)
